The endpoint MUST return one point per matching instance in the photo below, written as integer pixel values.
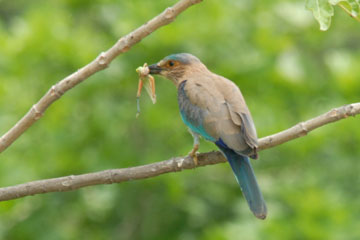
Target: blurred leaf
(322, 11)
(355, 7)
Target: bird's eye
(171, 63)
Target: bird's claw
(194, 157)
(193, 154)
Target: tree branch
(100, 63)
(176, 164)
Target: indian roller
(213, 107)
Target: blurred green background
(288, 71)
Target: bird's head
(177, 67)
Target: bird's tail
(245, 176)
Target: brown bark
(100, 63)
(175, 164)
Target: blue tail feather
(245, 176)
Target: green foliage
(323, 10)
(287, 70)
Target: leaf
(334, 2)
(322, 11)
(355, 7)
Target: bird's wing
(238, 109)
(221, 117)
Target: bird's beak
(155, 69)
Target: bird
(213, 108)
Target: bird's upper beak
(155, 69)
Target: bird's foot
(193, 154)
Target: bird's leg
(195, 147)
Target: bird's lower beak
(155, 69)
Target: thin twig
(176, 164)
(348, 12)
(100, 63)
